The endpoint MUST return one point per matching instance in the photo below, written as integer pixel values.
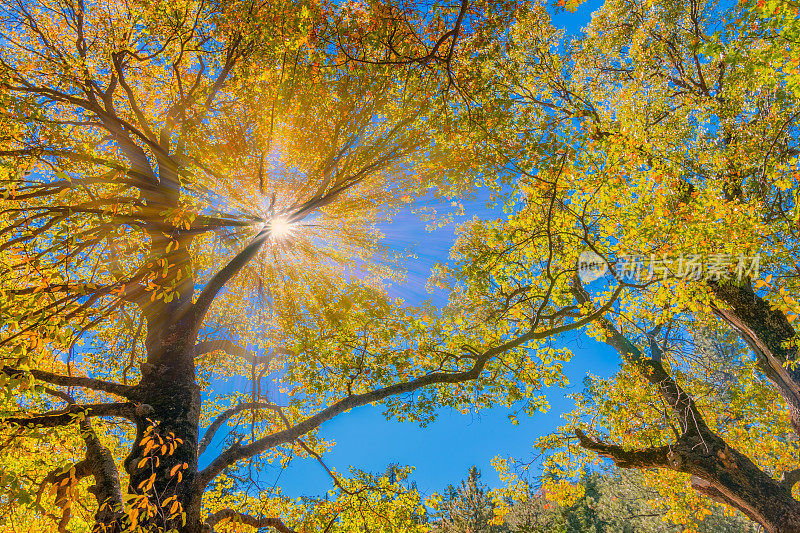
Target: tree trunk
(162, 463)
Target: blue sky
(443, 451)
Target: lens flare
(280, 228)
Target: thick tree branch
(106, 489)
(708, 489)
(642, 458)
(230, 514)
(790, 478)
(74, 412)
(239, 451)
(719, 471)
(768, 333)
(682, 404)
(73, 381)
(99, 463)
(218, 281)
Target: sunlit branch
(142, 180)
(231, 348)
(99, 463)
(221, 278)
(73, 413)
(74, 381)
(239, 451)
(235, 516)
(117, 60)
(218, 281)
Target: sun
(280, 228)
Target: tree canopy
(192, 191)
(661, 144)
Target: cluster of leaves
(387, 502)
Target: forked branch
(224, 417)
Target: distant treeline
(615, 501)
